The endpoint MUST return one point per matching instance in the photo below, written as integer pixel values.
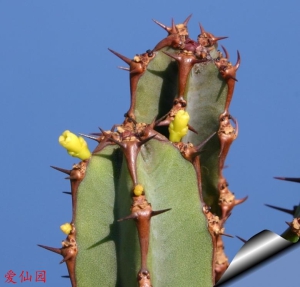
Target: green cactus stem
(165, 159)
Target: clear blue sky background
(56, 73)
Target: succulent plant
(149, 204)
(292, 233)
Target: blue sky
(56, 74)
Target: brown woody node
(68, 251)
(137, 67)
(206, 39)
(228, 73)
(186, 60)
(227, 134)
(76, 175)
(141, 212)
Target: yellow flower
(76, 146)
(66, 228)
(138, 190)
(178, 128)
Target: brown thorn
(171, 55)
(289, 211)
(123, 68)
(165, 122)
(238, 62)
(224, 219)
(219, 38)
(153, 213)
(174, 29)
(134, 215)
(201, 145)
(103, 132)
(236, 125)
(66, 171)
(239, 201)
(145, 140)
(202, 31)
(195, 151)
(67, 257)
(125, 59)
(289, 224)
(149, 131)
(96, 134)
(55, 250)
(89, 137)
(231, 77)
(186, 21)
(153, 123)
(117, 142)
(161, 25)
(160, 119)
(292, 179)
(192, 129)
(131, 216)
(226, 52)
(242, 239)
(67, 192)
(228, 235)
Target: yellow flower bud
(137, 58)
(138, 190)
(178, 128)
(76, 146)
(66, 228)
